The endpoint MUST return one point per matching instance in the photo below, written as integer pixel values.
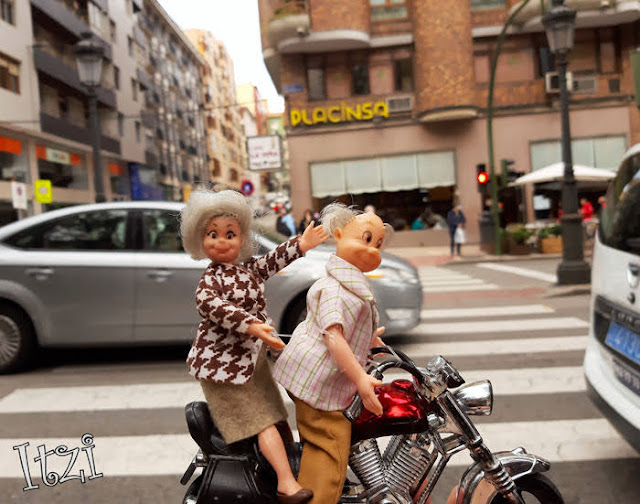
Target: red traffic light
(483, 177)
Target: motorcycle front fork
(493, 469)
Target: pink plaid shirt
(306, 368)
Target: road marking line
(538, 275)
(489, 311)
(496, 347)
(170, 454)
(470, 281)
(460, 288)
(493, 326)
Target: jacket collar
(350, 277)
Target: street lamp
(559, 24)
(89, 55)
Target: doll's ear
(337, 233)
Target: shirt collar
(350, 277)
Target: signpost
(247, 187)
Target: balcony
(139, 37)
(144, 79)
(66, 20)
(591, 13)
(150, 159)
(62, 73)
(148, 119)
(63, 128)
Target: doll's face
(360, 240)
(222, 240)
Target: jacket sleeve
(223, 314)
(269, 264)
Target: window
(599, 152)
(315, 78)
(620, 219)
(7, 11)
(130, 46)
(121, 124)
(116, 77)
(134, 90)
(487, 4)
(9, 74)
(103, 230)
(112, 30)
(403, 75)
(384, 10)
(63, 107)
(138, 131)
(360, 78)
(161, 232)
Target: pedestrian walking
(456, 222)
(305, 221)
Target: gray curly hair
(206, 205)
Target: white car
(612, 360)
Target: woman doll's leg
(272, 448)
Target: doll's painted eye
(230, 235)
(379, 244)
(213, 234)
(367, 237)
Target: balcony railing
(288, 21)
(606, 11)
(63, 128)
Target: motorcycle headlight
(475, 398)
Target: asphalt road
(490, 322)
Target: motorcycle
(427, 422)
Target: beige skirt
(241, 411)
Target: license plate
(624, 341)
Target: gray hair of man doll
(338, 215)
(206, 205)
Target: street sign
(292, 88)
(247, 187)
(265, 152)
(19, 195)
(43, 191)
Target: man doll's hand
(264, 332)
(366, 388)
(312, 237)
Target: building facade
(386, 101)
(226, 141)
(153, 141)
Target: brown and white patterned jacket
(229, 298)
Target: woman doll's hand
(366, 388)
(263, 331)
(312, 237)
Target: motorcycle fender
(474, 488)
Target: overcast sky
(237, 24)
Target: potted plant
(518, 241)
(550, 239)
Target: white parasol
(555, 172)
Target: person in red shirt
(586, 209)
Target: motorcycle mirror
(475, 398)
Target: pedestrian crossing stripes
(526, 272)
(482, 334)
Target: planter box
(519, 249)
(551, 245)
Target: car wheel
(295, 314)
(17, 342)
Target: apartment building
(386, 101)
(176, 137)
(226, 141)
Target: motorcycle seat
(203, 430)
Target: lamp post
(559, 24)
(89, 55)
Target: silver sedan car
(116, 274)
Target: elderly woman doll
(322, 367)
(228, 355)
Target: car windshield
(620, 219)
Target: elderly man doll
(322, 367)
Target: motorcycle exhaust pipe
(475, 398)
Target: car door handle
(161, 275)
(39, 273)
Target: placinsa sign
(338, 113)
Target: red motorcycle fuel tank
(404, 412)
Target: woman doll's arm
(287, 252)
(214, 307)
(349, 365)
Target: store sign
(338, 114)
(264, 152)
(42, 190)
(58, 156)
(19, 195)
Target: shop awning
(388, 174)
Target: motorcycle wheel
(535, 489)
(191, 497)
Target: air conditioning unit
(400, 104)
(552, 82)
(585, 84)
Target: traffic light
(482, 177)
(506, 172)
